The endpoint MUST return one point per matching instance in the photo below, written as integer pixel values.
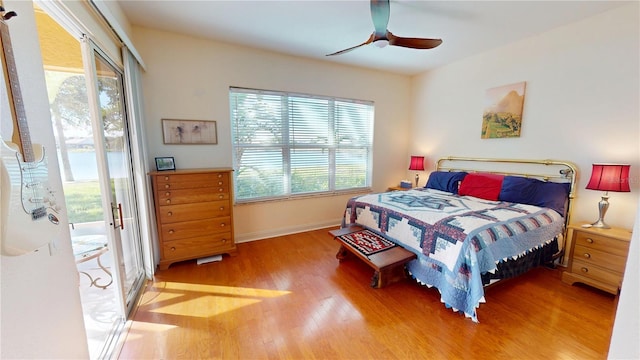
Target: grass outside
(83, 201)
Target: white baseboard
(260, 235)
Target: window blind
(287, 144)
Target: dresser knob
(220, 189)
(168, 201)
(169, 213)
(173, 248)
(590, 240)
(585, 270)
(219, 182)
(224, 240)
(166, 186)
(587, 255)
(221, 208)
(171, 231)
(166, 178)
(167, 193)
(219, 176)
(222, 225)
(220, 196)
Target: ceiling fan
(382, 36)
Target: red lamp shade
(417, 163)
(609, 177)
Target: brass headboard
(545, 170)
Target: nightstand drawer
(602, 243)
(599, 258)
(591, 271)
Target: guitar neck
(21, 129)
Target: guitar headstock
(8, 15)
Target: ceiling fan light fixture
(381, 43)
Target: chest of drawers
(597, 257)
(194, 213)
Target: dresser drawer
(191, 181)
(602, 243)
(594, 272)
(599, 258)
(188, 229)
(186, 196)
(196, 211)
(198, 246)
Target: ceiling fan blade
(414, 43)
(369, 41)
(380, 15)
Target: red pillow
(481, 185)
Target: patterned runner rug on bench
(367, 242)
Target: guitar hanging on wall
(28, 205)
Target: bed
(475, 222)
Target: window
(288, 144)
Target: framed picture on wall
(189, 131)
(502, 117)
(165, 163)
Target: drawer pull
(220, 189)
(220, 196)
(166, 178)
(590, 240)
(167, 193)
(219, 176)
(585, 270)
(166, 186)
(220, 183)
(222, 225)
(224, 240)
(169, 213)
(221, 208)
(173, 248)
(171, 231)
(168, 201)
(587, 255)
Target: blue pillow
(522, 190)
(445, 181)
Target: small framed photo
(165, 163)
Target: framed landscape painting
(502, 117)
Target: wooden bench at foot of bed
(387, 264)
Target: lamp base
(600, 224)
(603, 205)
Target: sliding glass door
(118, 175)
(86, 95)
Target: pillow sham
(481, 185)
(445, 181)
(529, 191)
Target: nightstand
(597, 257)
(398, 188)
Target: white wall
(40, 310)
(626, 329)
(581, 104)
(189, 78)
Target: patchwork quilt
(456, 238)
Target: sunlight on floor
(197, 300)
(139, 329)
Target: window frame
(287, 145)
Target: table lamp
(417, 163)
(608, 177)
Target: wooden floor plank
(288, 297)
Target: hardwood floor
(288, 297)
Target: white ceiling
(313, 28)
